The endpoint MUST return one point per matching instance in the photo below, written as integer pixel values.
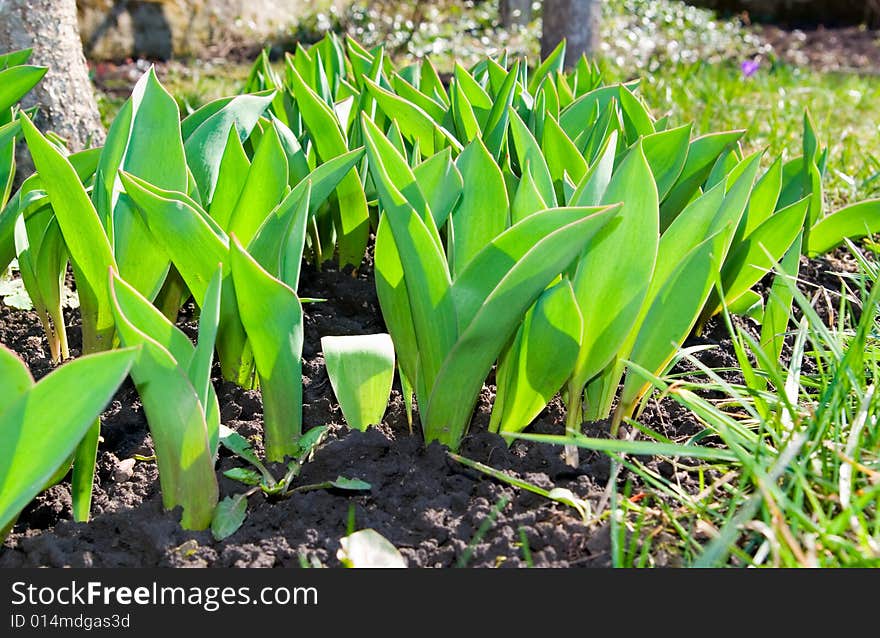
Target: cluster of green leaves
(462, 164)
(539, 221)
(167, 210)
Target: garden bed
(428, 505)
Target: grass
(770, 104)
(805, 487)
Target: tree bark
(514, 12)
(575, 20)
(65, 97)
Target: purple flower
(749, 67)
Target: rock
(124, 470)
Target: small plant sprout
(361, 371)
(231, 512)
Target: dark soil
(846, 49)
(426, 504)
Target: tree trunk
(514, 12)
(575, 20)
(65, 98)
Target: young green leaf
(482, 212)
(852, 222)
(543, 357)
(183, 419)
(34, 439)
(272, 318)
(229, 515)
(361, 370)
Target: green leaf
(582, 110)
(237, 444)
(466, 124)
(763, 200)
(551, 65)
(394, 300)
(279, 243)
(852, 222)
(272, 318)
(427, 285)
(667, 153)
(329, 140)
(546, 350)
(594, 183)
(610, 296)
(561, 154)
(701, 156)
(442, 184)
(354, 485)
(673, 312)
(636, 119)
(361, 370)
(206, 133)
(35, 440)
(491, 297)
(199, 370)
(368, 549)
(309, 441)
(392, 175)
(527, 150)
(774, 323)
(151, 131)
(195, 245)
(264, 188)
(179, 421)
(482, 212)
(16, 82)
(244, 475)
(229, 516)
(15, 376)
(528, 199)
(233, 173)
(495, 130)
(414, 123)
(749, 262)
(90, 252)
